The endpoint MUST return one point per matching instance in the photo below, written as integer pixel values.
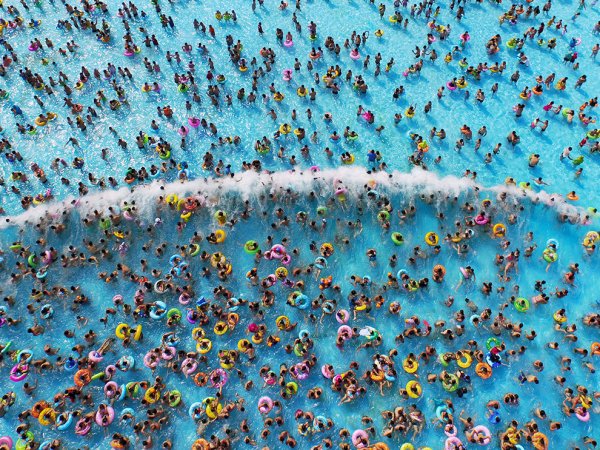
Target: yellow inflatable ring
(213, 413)
(349, 161)
(410, 369)
(432, 239)
(233, 318)
(221, 328)
(464, 361)
(243, 345)
(221, 235)
(122, 331)
(138, 333)
(413, 386)
(204, 346)
(47, 417)
(282, 322)
(559, 319)
(198, 333)
(152, 395)
(499, 230)
(281, 272)
(171, 199)
(227, 366)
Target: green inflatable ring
(521, 304)
(397, 238)
(492, 342)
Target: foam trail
(250, 184)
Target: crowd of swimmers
(357, 305)
(146, 407)
(45, 91)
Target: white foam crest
(249, 185)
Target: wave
(251, 185)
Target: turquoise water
(441, 190)
(249, 121)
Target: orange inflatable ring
(38, 407)
(596, 348)
(381, 446)
(201, 444)
(201, 379)
(441, 268)
(82, 377)
(484, 370)
(377, 376)
(540, 441)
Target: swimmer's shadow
(543, 137)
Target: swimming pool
(249, 121)
(347, 259)
(328, 195)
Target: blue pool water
(348, 259)
(293, 191)
(337, 19)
